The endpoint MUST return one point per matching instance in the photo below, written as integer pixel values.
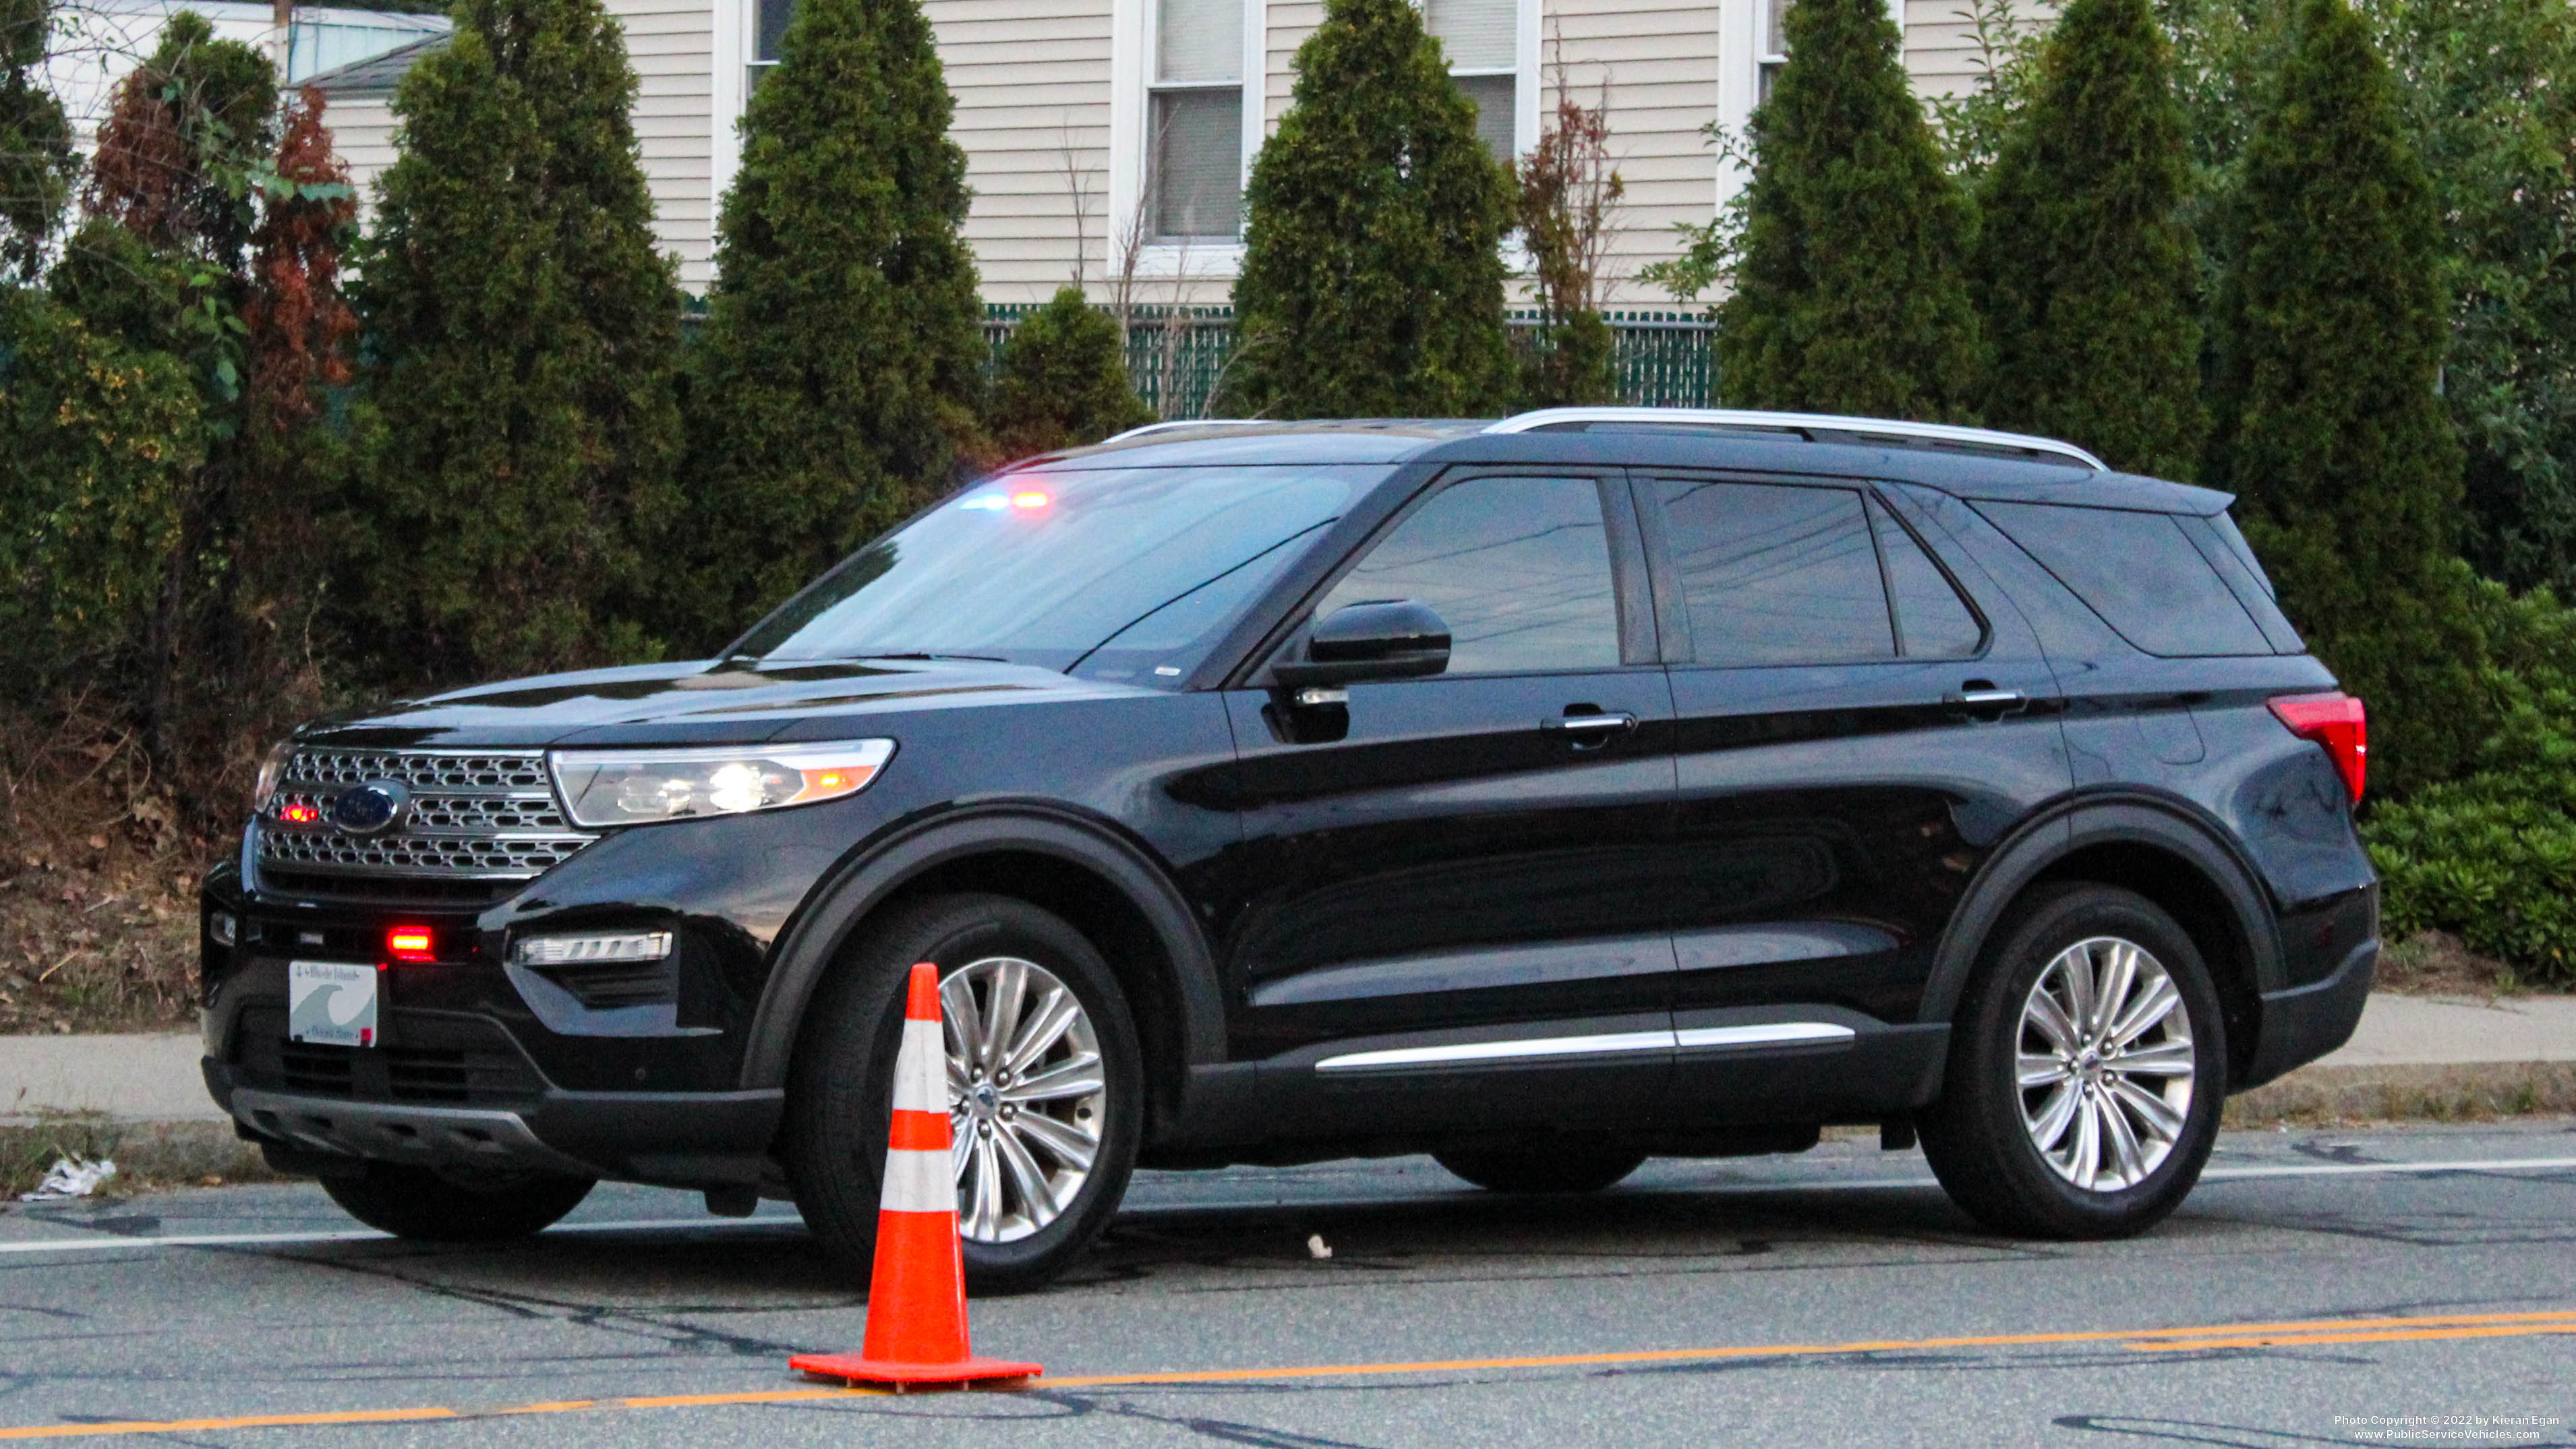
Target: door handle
(1589, 731)
(1982, 700)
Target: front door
(1855, 731)
(1456, 890)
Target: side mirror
(1377, 639)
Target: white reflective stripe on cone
(921, 1069)
(919, 1182)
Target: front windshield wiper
(984, 658)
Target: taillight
(2336, 721)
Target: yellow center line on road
(2207, 1336)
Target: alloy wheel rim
(1027, 1098)
(2105, 1064)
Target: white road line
(369, 1235)
(782, 1220)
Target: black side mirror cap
(1375, 639)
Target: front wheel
(2088, 1063)
(1046, 1093)
(417, 1203)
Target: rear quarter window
(2140, 571)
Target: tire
(1568, 1168)
(417, 1203)
(840, 1090)
(1985, 1136)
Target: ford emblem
(372, 808)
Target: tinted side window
(1932, 621)
(2227, 552)
(1776, 575)
(2139, 572)
(1518, 567)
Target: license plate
(331, 1003)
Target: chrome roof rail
(1187, 423)
(1861, 430)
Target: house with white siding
(1095, 128)
(100, 41)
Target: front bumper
(676, 1139)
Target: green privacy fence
(1177, 355)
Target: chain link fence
(1177, 356)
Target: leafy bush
(2491, 857)
(1063, 380)
(102, 442)
(36, 160)
(1567, 204)
(1372, 278)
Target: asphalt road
(2317, 1290)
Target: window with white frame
(1482, 41)
(1194, 122)
(1193, 84)
(768, 28)
(1774, 46)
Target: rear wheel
(1573, 1168)
(416, 1202)
(1045, 1087)
(2087, 1068)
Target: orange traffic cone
(917, 1295)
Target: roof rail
(1813, 427)
(1188, 423)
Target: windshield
(1123, 572)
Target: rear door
(1458, 884)
(1857, 725)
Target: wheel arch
(1104, 885)
(2159, 848)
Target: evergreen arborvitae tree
(1851, 295)
(1063, 380)
(1372, 278)
(841, 365)
(525, 332)
(2085, 271)
(36, 161)
(2329, 425)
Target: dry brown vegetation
(98, 870)
(2437, 963)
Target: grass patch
(149, 1156)
(29, 1150)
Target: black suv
(1543, 795)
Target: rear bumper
(2306, 1022)
(678, 1139)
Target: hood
(712, 702)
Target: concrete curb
(2438, 1092)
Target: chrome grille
(478, 815)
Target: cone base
(858, 1369)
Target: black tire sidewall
(841, 1085)
(416, 1203)
(1571, 1170)
(1975, 1136)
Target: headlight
(272, 773)
(642, 787)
